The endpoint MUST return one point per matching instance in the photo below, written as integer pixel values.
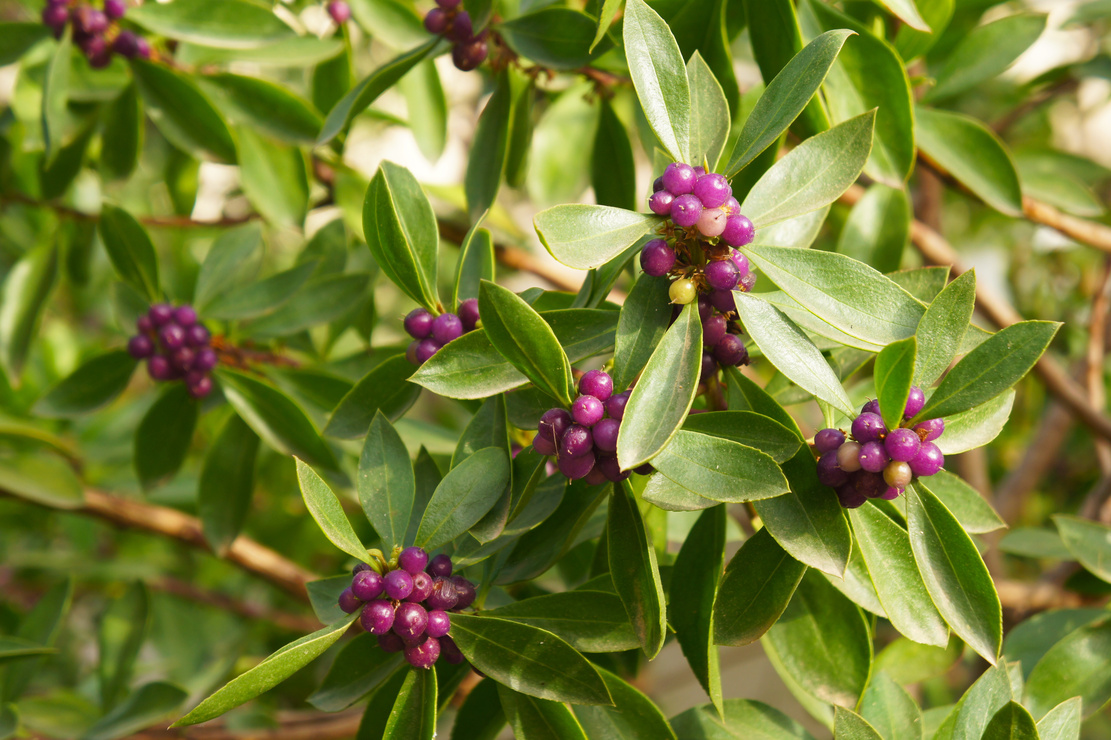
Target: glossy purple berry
(660, 203)
(412, 560)
(367, 585)
(340, 11)
(425, 654)
(576, 467)
(185, 316)
(915, 401)
(425, 349)
(439, 623)
(713, 330)
(902, 444)
(468, 314)
(554, 423)
(611, 469)
(140, 347)
(444, 594)
(115, 8)
(712, 189)
(873, 457)
(399, 584)
(711, 222)
(723, 301)
(868, 427)
(731, 351)
(159, 368)
(658, 184)
(870, 484)
(596, 476)
(543, 445)
(705, 308)
(657, 259)
(205, 359)
(390, 643)
(577, 441)
(348, 602)
(605, 434)
(928, 461)
(468, 56)
(722, 275)
(731, 206)
(933, 428)
(587, 410)
(418, 323)
(161, 314)
(615, 405)
(126, 44)
(686, 210)
(462, 30)
(377, 617)
(890, 494)
(439, 565)
(410, 621)
(597, 383)
(446, 327)
(679, 178)
(828, 440)
(741, 262)
(171, 336)
(829, 473)
(196, 336)
(871, 407)
(465, 590)
(359, 568)
(182, 358)
(451, 652)
(738, 231)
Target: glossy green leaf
(401, 232)
(384, 389)
(486, 162)
(954, 574)
(181, 112)
(813, 175)
(539, 719)
(553, 37)
(55, 95)
(227, 24)
(664, 393)
(464, 496)
(612, 167)
(937, 13)
(878, 228)
(164, 435)
(427, 107)
(1012, 722)
(910, 662)
(476, 263)
(605, 18)
(632, 716)
(744, 720)
(746, 394)
(890, 709)
(264, 106)
(590, 621)
(585, 236)
(977, 426)
(145, 706)
(907, 12)
(39, 627)
(359, 668)
(481, 716)
(990, 369)
(92, 385)
(279, 666)
(747, 428)
(378, 709)
(857, 584)
(789, 349)
(893, 373)
(668, 495)
(636, 577)
(659, 76)
(719, 469)
(985, 52)
(1062, 722)
(528, 660)
(413, 716)
(327, 512)
(987, 696)
(386, 482)
(694, 585)
(942, 327)
(131, 251)
(848, 725)
(644, 320)
(709, 116)
(275, 418)
(887, 553)
(227, 483)
(1088, 541)
(22, 299)
(757, 586)
(972, 154)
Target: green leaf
(464, 496)
(643, 322)
(719, 469)
(590, 621)
(181, 112)
(131, 251)
(747, 428)
(822, 640)
(1062, 722)
(785, 98)
(887, 553)
(633, 715)
(367, 91)
(92, 385)
(359, 668)
(605, 18)
(262, 297)
(12, 648)
(55, 95)
(476, 263)
(984, 52)
(694, 585)
(907, 12)
(757, 586)
(401, 232)
(121, 135)
(427, 108)
(227, 483)
(910, 662)
(481, 716)
(264, 106)
(792, 352)
(17, 38)
(528, 660)
(280, 422)
(1012, 722)
(942, 327)
(848, 294)
(1034, 542)
(1031, 639)
(413, 716)
(378, 709)
(990, 369)
(659, 76)
(744, 720)
(279, 666)
(987, 696)
(977, 426)
(664, 393)
(225, 263)
(386, 482)
(525, 339)
(384, 389)
(584, 236)
(539, 719)
(668, 495)
(813, 175)
(911, 43)
(39, 627)
(226, 24)
(164, 435)
(43, 478)
(486, 161)
(144, 707)
(632, 562)
(972, 154)
(24, 294)
(710, 119)
(1089, 541)
(848, 725)
(955, 575)
(321, 299)
(327, 512)
(612, 167)
(553, 37)
(273, 178)
(894, 370)
(292, 51)
(878, 228)
(890, 709)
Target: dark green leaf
(632, 716)
(328, 513)
(1030, 640)
(605, 18)
(401, 232)
(756, 588)
(890, 709)
(584, 236)
(694, 585)
(720, 469)
(539, 719)
(413, 716)
(878, 228)
(942, 327)
(744, 720)
(12, 648)
(1088, 541)
(39, 627)
(632, 561)
(227, 24)
(386, 482)
(378, 709)
(384, 389)
(481, 716)
(224, 265)
(613, 169)
(265, 106)
(164, 435)
(1012, 722)
(893, 373)
(147, 705)
(92, 385)
(643, 322)
(55, 95)
(179, 110)
(17, 38)
(427, 108)
(747, 428)
(987, 696)
(486, 162)
(23, 297)
(464, 496)
(227, 483)
(260, 298)
(659, 76)
(665, 493)
(553, 37)
(131, 251)
(476, 263)
(122, 135)
(360, 667)
(984, 52)
(273, 178)
(965, 502)
(320, 300)
(590, 621)
(120, 634)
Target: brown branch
(293, 726)
(1092, 233)
(513, 257)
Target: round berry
(902, 445)
(440, 565)
(597, 383)
(722, 275)
(829, 473)
(731, 206)
(466, 57)
(615, 406)
(446, 327)
(423, 655)
(931, 428)
(182, 358)
(711, 222)
(731, 351)
(587, 410)
(196, 336)
(411, 352)
(660, 203)
(699, 171)
(410, 621)
(398, 584)
(171, 336)
(144, 325)
(451, 651)
(161, 314)
(679, 178)
(828, 440)
(738, 231)
(340, 11)
(418, 323)
(848, 456)
(468, 314)
(915, 401)
(686, 210)
(543, 446)
(871, 407)
(377, 617)
(425, 349)
(868, 427)
(205, 359)
(873, 457)
(713, 329)
(849, 497)
(444, 594)
(126, 44)
(359, 568)
(140, 347)
(708, 368)
(890, 494)
(98, 52)
(682, 291)
(159, 368)
(412, 560)
(367, 585)
(185, 316)
(390, 643)
(439, 623)
(657, 259)
(199, 388)
(142, 48)
(928, 461)
(741, 262)
(115, 8)
(605, 434)
(705, 308)
(868, 483)
(576, 467)
(723, 301)
(348, 602)
(55, 17)
(466, 591)
(596, 476)
(462, 30)
(610, 468)
(713, 190)
(577, 441)
(748, 282)
(554, 423)
(89, 20)
(897, 474)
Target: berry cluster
(721, 341)
(407, 607)
(175, 346)
(95, 31)
(430, 333)
(877, 463)
(340, 11)
(695, 199)
(447, 20)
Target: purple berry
(183, 358)
(422, 587)
(828, 440)
(829, 473)
(748, 282)
(399, 584)
(448, 4)
(705, 308)
(645, 469)
(55, 17)
(367, 585)
(711, 222)
(849, 497)
(98, 52)
(902, 444)
(577, 441)
(412, 560)
(738, 231)
(171, 336)
(410, 620)
(444, 594)
(587, 410)
(142, 48)
(596, 476)
(658, 184)
(554, 423)
(440, 565)
(915, 401)
(722, 300)
(615, 406)
(465, 590)
(686, 210)
(890, 494)
(359, 568)
(708, 367)
(144, 325)
(679, 178)
(418, 323)
(377, 617)
(871, 407)
(543, 446)
(722, 275)
(610, 468)
(161, 314)
(743, 267)
(699, 171)
(660, 203)
(605, 434)
(867, 483)
(140, 347)
(657, 259)
(933, 428)
(713, 190)
(205, 359)
(423, 655)
(713, 329)
(928, 461)
(185, 316)
(731, 351)
(596, 383)
(439, 623)
(731, 206)
(348, 602)
(873, 457)
(196, 336)
(425, 349)
(115, 8)
(451, 651)
(468, 314)
(576, 467)
(462, 30)
(340, 11)
(446, 327)
(868, 427)
(390, 643)
(159, 368)
(89, 20)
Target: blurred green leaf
(427, 108)
(877, 229)
(22, 299)
(180, 111)
(590, 621)
(553, 37)
(267, 107)
(911, 43)
(121, 632)
(659, 76)
(984, 52)
(148, 704)
(890, 709)
(744, 720)
(131, 251)
(227, 24)
(486, 161)
(92, 385)
(318, 301)
(636, 577)
(17, 38)
(481, 716)
(910, 662)
(632, 716)
(1089, 541)
(257, 298)
(612, 167)
(164, 435)
(13, 648)
(227, 483)
(225, 263)
(385, 389)
(55, 95)
(121, 134)
(757, 586)
(40, 627)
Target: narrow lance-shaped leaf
(225, 24)
(984, 52)
(463, 497)
(605, 18)
(131, 251)
(55, 94)
(486, 161)
(890, 709)
(476, 263)
(642, 324)
(182, 113)
(942, 327)
(24, 295)
(893, 373)
(633, 715)
(720, 469)
(612, 167)
(146, 705)
(756, 588)
(386, 482)
(328, 513)
(413, 716)
(385, 388)
(710, 117)
(1074, 666)
(226, 484)
(585, 236)
(92, 385)
(659, 76)
(164, 435)
(120, 633)
(632, 562)
(539, 718)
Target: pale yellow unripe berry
(897, 474)
(683, 291)
(848, 457)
